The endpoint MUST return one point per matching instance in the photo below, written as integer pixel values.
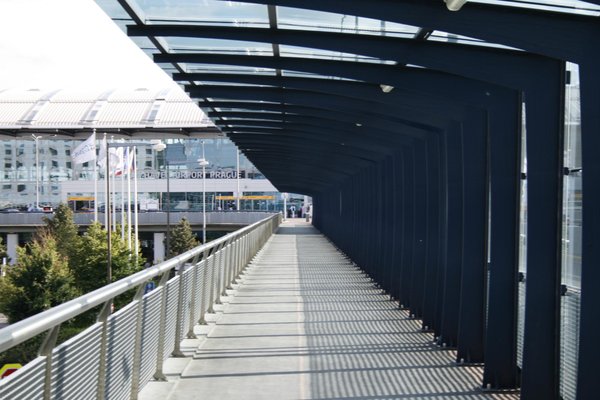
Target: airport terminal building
(40, 129)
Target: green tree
(41, 279)
(63, 228)
(182, 238)
(90, 259)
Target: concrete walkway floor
(304, 323)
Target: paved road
(306, 324)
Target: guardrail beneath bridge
(148, 221)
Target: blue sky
(50, 44)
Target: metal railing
(115, 357)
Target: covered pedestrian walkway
(305, 323)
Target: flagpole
(107, 215)
(128, 200)
(135, 202)
(106, 199)
(95, 181)
(123, 198)
(114, 195)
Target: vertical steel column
(433, 228)
(389, 209)
(409, 223)
(420, 173)
(545, 142)
(500, 369)
(471, 325)
(443, 233)
(454, 237)
(398, 242)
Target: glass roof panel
(441, 36)
(301, 74)
(113, 8)
(306, 52)
(226, 83)
(222, 100)
(216, 68)
(296, 18)
(213, 12)
(565, 6)
(237, 109)
(249, 119)
(217, 46)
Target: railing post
(238, 252)
(46, 351)
(214, 266)
(248, 249)
(205, 257)
(226, 267)
(231, 267)
(137, 347)
(103, 318)
(160, 356)
(177, 350)
(196, 266)
(220, 274)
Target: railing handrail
(23, 330)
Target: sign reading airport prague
(191, 174)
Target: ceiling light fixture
(454, 5)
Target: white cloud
(69, 43)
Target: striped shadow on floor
(305, 323)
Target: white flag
(102, 154)
(127, 161)
(116, 160)
(86, 151)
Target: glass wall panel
(571, 237)
(522, 242)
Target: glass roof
(441, 36)
(305, 52)
(248, 15)
(217, 46)
(211, 12)
(301, 19)
(216, 68)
